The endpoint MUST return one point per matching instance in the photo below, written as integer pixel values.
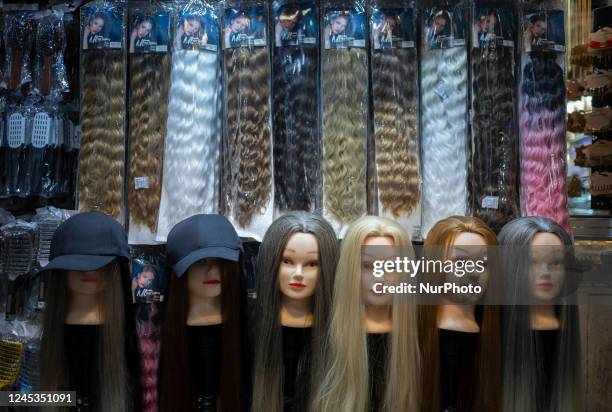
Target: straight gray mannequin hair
(268, 364)
(522, 376)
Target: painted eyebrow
(312, 252)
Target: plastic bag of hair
(542, 113)
(494, 142)
(18, 36)
(444, 108)
(102, 153)
(344, 94)
(247, 188)
(18, 120)
(149, 79)
(295, 100)
(50, 78)
(394, 67)
(190, 183)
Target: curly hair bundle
(247, 161)
(345, 100)
(395, 96)
(295, 124)
(102, 156)
(149, 82)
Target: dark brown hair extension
(101, 159)
(247, 164)
(493, 165)
(149, 83)
(395, 97)
(296, 141)
(177, 395)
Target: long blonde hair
(345, 385)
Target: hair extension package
(102, 155)
(295, 105)
(247, 188)
(50, 78)
(494, 138)
(18, 36)
(542, 108)
(191, 171)
(395, 95)
(344, 91)
(444, 89)
(149, 78)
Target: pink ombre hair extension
(149, 346)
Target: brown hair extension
(394, 90)
(247, 165)
(101, 160)
(344, 133)
(480, 392)
(177, 394)
(149, 82)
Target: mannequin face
(298, 271)
(367, 277)
(547, 268)
(204, 279)
(86, 283)
(469, 246)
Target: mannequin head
(204, 279)
(91, 283)
(546, 268)
(298, 272)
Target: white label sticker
(259, 42)
(161, 48)
(490, 202)
(406, 44)
(458, 42)
(114, 45)
(441, 90)
(359, 43)
(141, 182)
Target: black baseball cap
(87, 241)
(200, 237)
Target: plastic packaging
(17, 152)
(295, 100)
(444, 91)
(192, 142)
(50, 78)
(18, 248)
(344, 88)
(70, 146)
(18, 40)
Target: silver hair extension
(191, 161)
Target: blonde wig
(395, 95)
(102, 156)
(444, 134)
(345, 102)
(247, 158)
(192, 144)
(148, 106)
(345, 384)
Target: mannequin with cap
(201, 332)
(86, 316)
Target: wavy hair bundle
(542, 144)
(345, 86)
(247, 163)
(493, 173)
(295, 123)
(191, 156)
(395, 96)
(102, 155)
(444, 134)
(148, 107)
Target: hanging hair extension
(345, 383)
(102, 155)
(191, 156)
(542, 128)
(148, 106)
(344, 97)
(247, 168)
(296, 141)
(149, 345)
(394, 73)
(444, 134)
(480, 389)
(524, 376)
(268, 363)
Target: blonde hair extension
(102, 156)
(191, 157)
(344, 97)
(394, 76)
(149, 83)
(345, 384)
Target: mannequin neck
(459, 318)
(204, 311)
(84, 309)
(296, 313)
(544, 317)
(378, 318)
